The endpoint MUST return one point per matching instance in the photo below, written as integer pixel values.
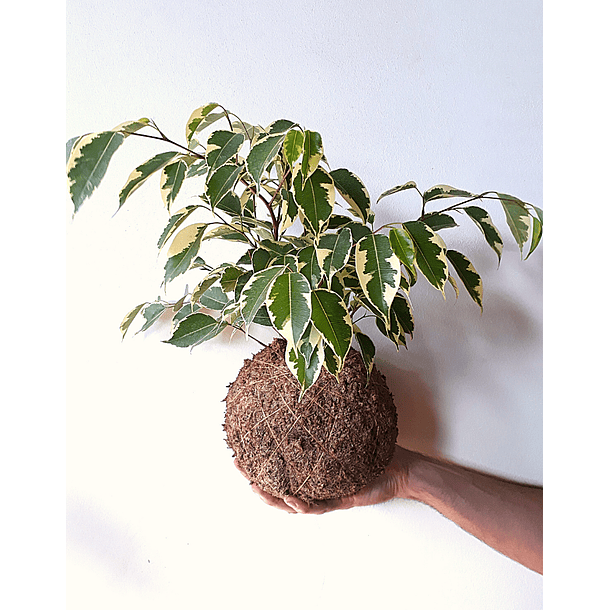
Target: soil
(332, 443)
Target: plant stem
(164, 138)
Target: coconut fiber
(332, 443)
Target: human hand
(393, 483)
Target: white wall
(433, 91)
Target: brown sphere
(332, 443)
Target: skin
(503, 514)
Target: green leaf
(308, 265)
(331, 318)
(254, 293)
(289, 305)
(230, 204)
(483, 220)
(214, 298)
(315, 198)
(430, 251)
(88, 163)
(262, 154)
(378, 270)
(536, 235)
(143, 172)
(129, 318)
(183, 250)
(197, 121)
(517, 218)
(221, 146)
(367, 350)
(312, 153)
(172, 178)
(152, 313)
(333, 251)
(306, 374)
(403, 247)
(469, 276)
(438, 220)
(221, 182)
(442, 191)
(397, 189)
(195, 329)
(352, 189)
(293, 146)
(358, 230)
(332, 363)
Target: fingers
(293, 505)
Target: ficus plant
(314, 264)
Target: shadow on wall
(419, 426)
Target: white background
(436, 92)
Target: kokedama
(309, 415)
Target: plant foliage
(310, 272)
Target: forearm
(505, 515)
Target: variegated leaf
(293, 146)
(333, 251)
(183, 250)
(195, 329)
(308, 342)
(222, 146)
(536, 235)
(483, 220)
(313, 152)
(172, 178)
(307, 264)
(185, 310)
(306, 374)
(209, 280)
(129, 127)
(221, 182)
(315, 198)
(468, 274)
(289, 211)
(401, 308)
(438, 220)
(151, 312)
(441, 191)
(229, 278)
(198, 168)
(378, 270)
(332, 363)
(331, 318)
(144, 171)
(352, 189)
(197, 121)
(88, 163)
(129, 318)
(289, 305)
(70, 145)
(262, 154)
(367, 349)
(214, 298)
(397, 189)
(174, 223)
(517, 218)
(430, 253)
(254, 293)
(403, 247)
(226, 232)
(280, 126)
